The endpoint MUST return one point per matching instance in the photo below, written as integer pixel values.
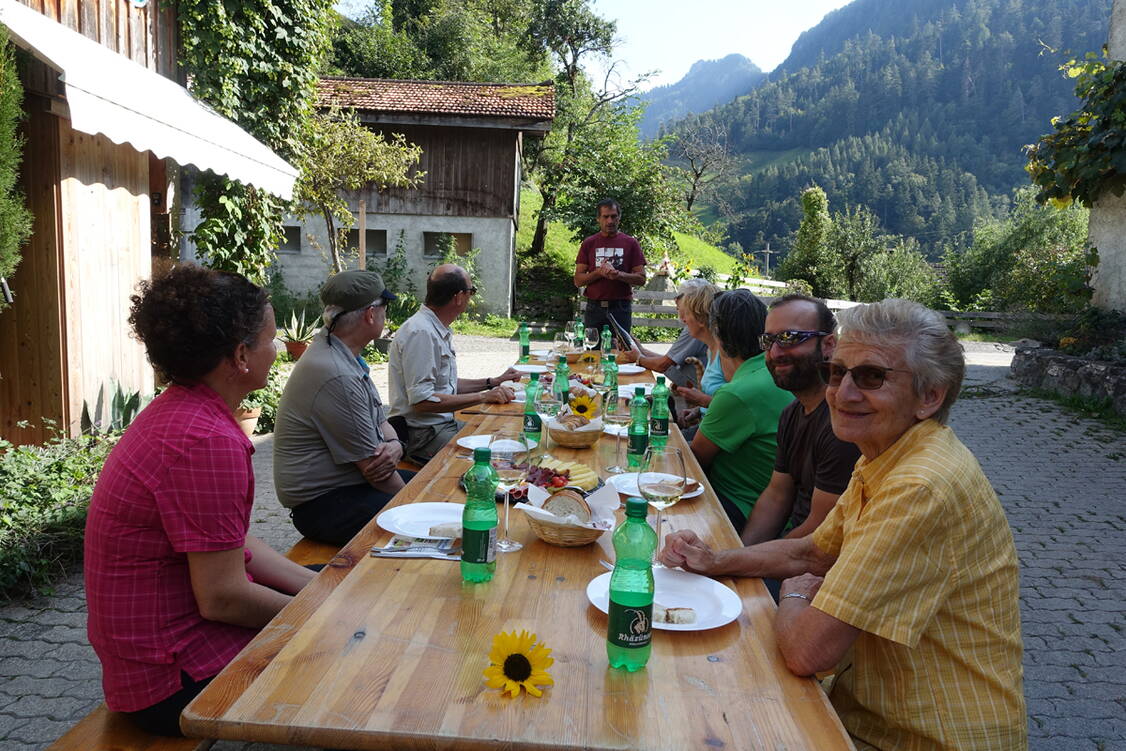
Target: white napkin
(603, 502)
(595, 424)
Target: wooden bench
(308, 551)
(103, 730)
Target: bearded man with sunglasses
(812, 467)
(909, 588)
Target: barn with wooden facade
(106, 127)
(472, 137)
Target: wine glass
(510, 461)
(661, 480)
(593, 338)
(569, 335)
(560, 345)
(615, 413)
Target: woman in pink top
(175, 586)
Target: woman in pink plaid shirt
(175, 586)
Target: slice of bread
(447, 529)
(567, 502)
(662, 614)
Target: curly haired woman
(175, 586)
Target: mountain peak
(707, 83)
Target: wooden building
(472, 137)
(106, 126)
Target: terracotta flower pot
(248, 419)
(296, 349)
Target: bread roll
(447, 529)
(567, 502)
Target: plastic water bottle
(533, 423)
(561, 387)
(659, 419)
(638, 429)
(629, 633)
(580, 333)
(610, 373)
(479, 520)
(525, 342)
(607, 342)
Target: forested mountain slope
(707, 83)
(916, 108)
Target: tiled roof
(534, 101)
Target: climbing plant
(15, 219)
(1086, 155)
(255, 62)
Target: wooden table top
(385, 653)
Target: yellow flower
(583, 405)
(516, 660)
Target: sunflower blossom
(583, 405)
(516, 661)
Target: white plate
(630, 369)
(626, 484)
(540, 353)
(618, 430)
(526, 368)
(626, 392)
(471, 442)
(416, 519)
(715, 604)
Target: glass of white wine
(510, 461)
(661, 480)
(569, 335)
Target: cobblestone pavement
(1060, 478)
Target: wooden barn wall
(145, 35)
(106, 240)
(32, 376)
(468, 173)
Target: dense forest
(917, 109)
(707, 84)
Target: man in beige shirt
(425, 388)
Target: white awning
(110, 94)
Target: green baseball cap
(354, 289)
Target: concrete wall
(1107, 227)
(307, 269)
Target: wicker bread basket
(563, 535)
(574, 439)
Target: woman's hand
(694, 396)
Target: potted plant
(297, 334)
(248, 412)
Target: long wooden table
(383, 653)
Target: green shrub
(44, 493)
(15, 219)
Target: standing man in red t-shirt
(610, 265)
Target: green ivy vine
(1086, 155)
(15, 219)
(255, 62)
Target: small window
(432, 243)
(292, 243)
(376, 242)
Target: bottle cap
(535, 377)
(639, 391)
(660, 379)
(611, 357)
(482, 454)
(637, 508)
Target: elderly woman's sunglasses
(788, 338)
(866, 377)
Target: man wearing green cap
(334, 451)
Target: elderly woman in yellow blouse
(909, 587)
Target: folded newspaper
(405, 546)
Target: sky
(656, 34)
(669, 37)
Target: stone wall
(1067, 376)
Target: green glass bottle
(629, 632)
(659, 417)
(525, 342)
(533, 423)
(479, 520)
(561, 387)
(638, 429)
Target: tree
(853, 239)
(809, 259)
(701, 147)
(898, 271)
(342, 155)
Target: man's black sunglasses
(866, 377)
(789, 338)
